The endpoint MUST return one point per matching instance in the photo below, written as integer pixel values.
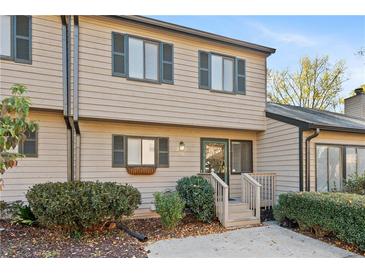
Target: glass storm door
(214, 158)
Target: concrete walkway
(263, 242)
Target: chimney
(355, 105)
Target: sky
(293, 37)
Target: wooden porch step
(237, 207)
(240, 214)
(242, 222)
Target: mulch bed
(29, 242)
(332, 241)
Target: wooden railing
(220, 196)
(251, 193)
(268, 183)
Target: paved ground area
(266, 241)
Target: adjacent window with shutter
(140, 151)
(16, 42)
(142, 59)
(241, 157)
(30, 145)
(221, 73)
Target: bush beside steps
(77, 206)
(338, 214)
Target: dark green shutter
(119, 56)
(163, 152)
(167, 63)
(118, 151)
(240, 70)
(204, 70)
(22, 39)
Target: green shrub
(81, 205)
(355, 184)
(7, 209)
(22, 214)
(198, 196)
(170, 207)
(339, 214)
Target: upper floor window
(222, 73)
(16, 38)
(142, 59)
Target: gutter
(307, 158)
(76, 99)
(66, 78)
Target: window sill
(226, 92)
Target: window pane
(135, 58)
(321, 169)
(228, 75)
(350, 161)
(5, 37)
(236, 157)
(334, 168)
(217, 80)
(134, 151)
(22, 26)
(167, 52)
(119, 64)
(22, 49)
(151, 62)
(361, 160)
(148, 152)
(118, 42)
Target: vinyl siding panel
(355, 106)
(96, 157)
(43, 77)
(278, 152)
(105, 96)
(329, 137)
(51, 163)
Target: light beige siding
(43, 77)
(278, 152)
(105, 96)
(96, 157)
(329, 137)
(51, 163)
(355, 106)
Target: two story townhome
(140, 101)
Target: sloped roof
(195, 32)
(311, 119)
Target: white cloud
(285, 37)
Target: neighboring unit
(140, 101)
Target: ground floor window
(140, 151)
(334, 163)
(241, 157)
(29, 147)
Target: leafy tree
(317, 84)
(14, 124)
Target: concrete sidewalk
(261, 242)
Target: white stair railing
(268, 182)
(251, 193)
(220, 196)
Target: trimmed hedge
(339, 214)
(81, 205)
(198, 196)
(170, 207)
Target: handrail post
(225, 206)
(258, 202)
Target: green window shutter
(167, 63)
(204, 70)
(118, 151)
(163, 152)
(22, 39)
(240, 71)
(119, 56)
(29, 147)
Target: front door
(214, 157)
